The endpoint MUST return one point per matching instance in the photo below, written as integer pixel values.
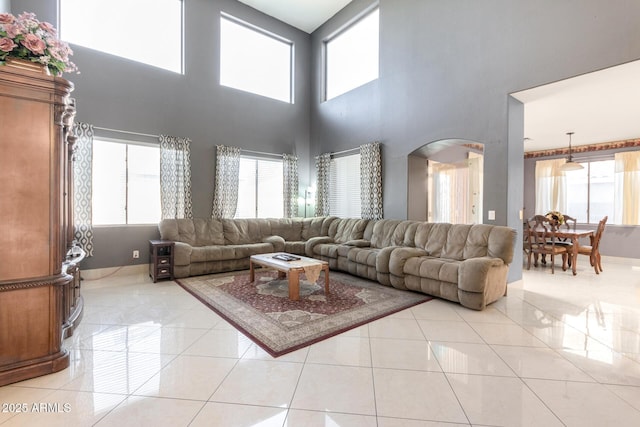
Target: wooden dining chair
(569, 224)
(593, 250)
(542, 241)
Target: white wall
(5, 6)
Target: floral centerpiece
(24, 37)
(555, 216)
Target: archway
(445, 182)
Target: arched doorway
(445, 182)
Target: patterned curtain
(290, 185)
(323, 165)
(175, 177)
(82, 172)
(371, 181)
(225, 193)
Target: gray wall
(446, 71)
(115, 93)
(617, 240)
(5, 6)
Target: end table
(161, 259)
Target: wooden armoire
(40, 301)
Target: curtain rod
(126, 131)
(345, 151)
(262, 153)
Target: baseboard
(125, 270)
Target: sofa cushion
(208, 232)
(178, 230)
(315, 227)
(432, 237)
(442, 269)
(383, 232)
(289, 229)
(477, 241)
(245, 231)
(456, 241)
(343, 230)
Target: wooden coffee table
(292, 269)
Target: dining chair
(569, 224)
(542, 241)
(593, 250)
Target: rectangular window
(125, 183)
(352, 56)
(590, 191)
(344, 192)
(120, 27)
(254, 60)
(260, 188)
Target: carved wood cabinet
(40, 301)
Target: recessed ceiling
(599, 107)
(306, 15)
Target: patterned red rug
(263, 312)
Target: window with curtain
(550, 186)
(125, 183)
(344, 186)
(260, 188)
(604, 187)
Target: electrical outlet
(136, 254)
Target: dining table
(570, 234)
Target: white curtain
(225, 193)
(371, 181)
(550, 186)
(175, 177)
(82, 184)
(627, 183)
(290, 185)
(323, 183)
(450, 191)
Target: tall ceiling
(306, 15)
(602, 106)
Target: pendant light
(570, 165)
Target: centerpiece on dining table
(555, 217)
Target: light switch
(491, 215)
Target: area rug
(262, 310)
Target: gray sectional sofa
(464, 263)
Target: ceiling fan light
(570, 165)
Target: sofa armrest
(182, 253)
(475, 274)
(276, 241)
(312, 242)
(399, 257)
(360, 243)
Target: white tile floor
(558, 350)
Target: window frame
(587, 165)
(258, 159)
(266, 33)
(335, 35)
(126, 143)
(60, 8)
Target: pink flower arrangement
(27, 38)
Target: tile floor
(558, 350)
